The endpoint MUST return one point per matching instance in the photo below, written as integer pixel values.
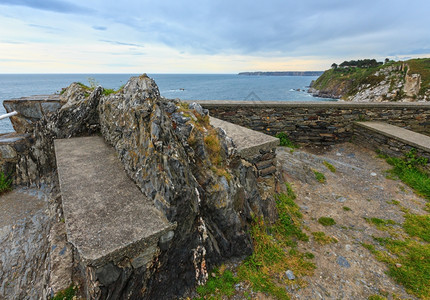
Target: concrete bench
(390, 139)
(256, 147)
(107, 217)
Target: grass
(381, 224)
(5, 183)
(329, 166)
(275, 251)
(320, 177)
(346, 208)
(417, 226)
(285, 141)
(323, 239)
(326, 221)
(376, 297)
(408, 263)
(421, 66)
(66, 294)
(409, 170)
(222, 284)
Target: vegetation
(321, 238)
(222, 282)
(326, 221)
(275, 251)
(66, 294)
(5, 183)
(346, 208)
(410, 170)
(346, 78)
(319, 176)
(421, 66)
(329, 166)
(285, 141)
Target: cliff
(283, 73)
(407, 81)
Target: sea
(183, 86)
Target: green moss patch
(326, 221)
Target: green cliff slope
(393, 81)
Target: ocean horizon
(183, 86)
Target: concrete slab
(248, 142)
(107, 217)
(20, 204)
(409, 137)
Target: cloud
(50, 5)
(101, 28)
(121, 43)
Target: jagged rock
(166, 151)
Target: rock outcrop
(190, 170)
(399, 81)
(194, 176)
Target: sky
(204, 36)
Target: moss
(329, 166)
(323, 239)
(5, 183)
(326, 221)
(319, 176)
(66, 294)
(285, 141)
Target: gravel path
(346, 270)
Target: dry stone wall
(319, 123)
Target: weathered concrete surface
(24, 230)
(414, 139)
(248, 142)
(30, 110)
(106, 215)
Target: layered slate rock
(30, 110)
(194, 175)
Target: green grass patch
(5, 183)
(346, 208)
(417, 226)
(323, 239)
(394, 202)
(408, 169)
(380, 223)
(329, 166)
(220, 285)
(326, 221)
(66, 294)
(107, 92)
(408, 263)
(376, 297)
(319, 176)
(275, 250)
(285, 141)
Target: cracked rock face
(194, 176)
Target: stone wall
(386, 144)
(318, 123)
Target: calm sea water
(183, 86)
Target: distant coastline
(283, 73)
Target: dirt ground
(345, 269)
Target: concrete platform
(248, 142)
(107, 217)
(408, 137)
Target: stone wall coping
(248, 142)
(42, 98)
(310, 104)
(107, 217)
(409, 137)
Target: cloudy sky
(206, 36)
